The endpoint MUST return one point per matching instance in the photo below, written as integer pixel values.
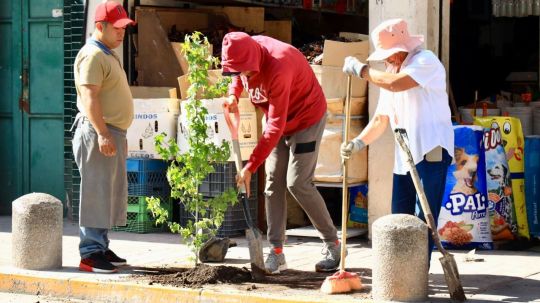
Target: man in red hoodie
(281, 83)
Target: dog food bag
(464, 217)
(513, 144)
(501, 207)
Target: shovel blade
(254, 238)
(451, 275)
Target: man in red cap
(281, 83)
(412, 97)
(99, 143)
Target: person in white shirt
(412, 97)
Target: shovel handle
(232, 124)
(233, 127)
(401, 137)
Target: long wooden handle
(233, 127)
(345, 185)
(232, 124)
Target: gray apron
(103, 193)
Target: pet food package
(513, 143)
(499, 186)
(358, 206)
(532, 183)
(464, 217)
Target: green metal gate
(32, 106)
(10, 85)
(74, 29)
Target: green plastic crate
(139, 218)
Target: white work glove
(353, 146)
(353, 67)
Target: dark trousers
(433, 178)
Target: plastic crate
(234, 222)
(139, 218)
(147, 177)
(223, 178)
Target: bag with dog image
(464, 217)
(513, 144)
(502, 215)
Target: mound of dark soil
(202, 274)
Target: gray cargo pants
(291, 165)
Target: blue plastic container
(147, 177)
(532, 183)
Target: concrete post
(37, 232)
(400, 269)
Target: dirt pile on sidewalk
(204, 274)
(200, 275)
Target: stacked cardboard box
(218, 130)
(156, 112)
(334, 84)
(154, 25)
(152, 117)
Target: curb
(112, 291)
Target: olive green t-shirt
(93, 66)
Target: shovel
(451, 273)
(253, 234)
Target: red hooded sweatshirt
(283, 86)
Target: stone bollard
(37, 229)
(400, 269)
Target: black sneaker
(97, 262)
(114, 259)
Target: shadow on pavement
(514, 289)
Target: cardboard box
(214, 75)
(355, 37)
(177, 48)
(334, 82)
(336, 106)
(156, 105)
(152, 117)
(247, 18)
(281, 30)
(335, 52)
(173, 93)
(146, 92)
(156, 63)
(218, 129)
(329, 167)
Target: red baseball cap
(113, 13)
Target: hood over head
(240, 53)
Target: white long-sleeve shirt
(423, 111)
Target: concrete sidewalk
(510, 276)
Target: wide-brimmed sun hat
(392, 36)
